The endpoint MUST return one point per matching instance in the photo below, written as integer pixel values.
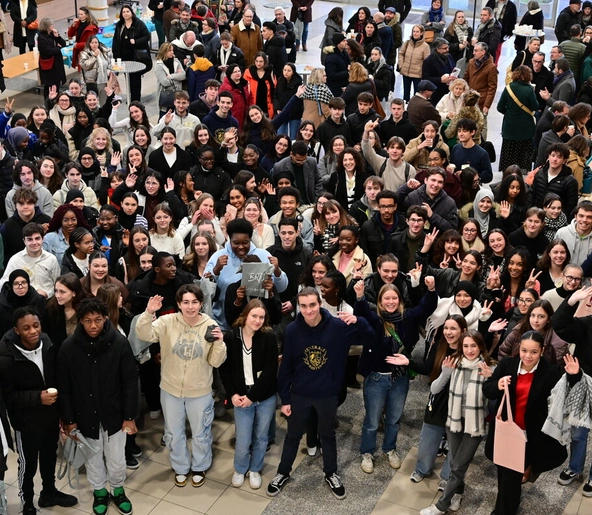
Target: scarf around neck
(559, 77)
(436, 15)
(462, 31)
(475, 402)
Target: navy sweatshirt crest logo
(315, 357)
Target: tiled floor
(151, 487)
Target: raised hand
(415, 273)
(53, 93)
(445, 261)
(220, 264)
(316, 228)
(498, 325)
(430, 238)
(430, 282)
(493, 280)
(486, 307)
(154, 304)
(359, 289)
(115, 158)
(428, 208)
(370, 125)
(449, 362)
(269, 189)
(485, 369)
(504, 209)
(530, 283)
(168, 117)
(457, 260)
(348, 318)
(169, 186)
(131, 179)
(300, 91)
(572, 366)
(413, 184)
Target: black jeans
(509, 488)
(326, 408)
(31, 447)
(135, 82)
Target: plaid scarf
(475, 402)
(317, 92)
(569, 407)
(553, 225)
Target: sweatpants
(32, 447)
(109, 463)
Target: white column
(100, 10)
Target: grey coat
(312, 178)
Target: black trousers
(326, 409)
(32, 447)
(135, 82)
(509, 489)
(150, 381)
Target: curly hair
(522, 74)
(357, 73)
(360, 167)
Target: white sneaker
(154, 415)
(455, 502)
(255, 480)
(416, 477)
(394, 460)
(367, 463)
(238, 479)
(432, 510)
(312, 451)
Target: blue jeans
(200, 413)
(304, 35)
(429, 443)
(380, 391)
(252, 427)
(577, 457)
(407, 81)
(290, 128)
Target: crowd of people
(125, 269)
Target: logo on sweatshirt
(315, 357)
(187, 349)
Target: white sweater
(172, 245)
(43, 270)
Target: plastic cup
(52, 391)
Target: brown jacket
(421, 110)
(248, 40)
(418, 157)
(411, 58)
(483, 80)
(167, 18)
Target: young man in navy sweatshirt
(311, 375)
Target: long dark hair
(131, 258)
(306, 278)
(72, 282)
(545, 261)
(442, 349)
(502, 192)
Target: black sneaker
(101, 501)
(277, 483)
(587, 491)
(131, 462)
(56, 498)
(336, 486)
(121, 501)
(29, 509)
(567, 477)
(134, 449)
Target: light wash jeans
(429, 443)
(252, 428)
(380, 391)
(577, 456)
(109, 463)
(200, 413)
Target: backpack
(383, 168)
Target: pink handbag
(509, 444)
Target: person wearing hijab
(50, 145)
(484, 210)
(16, 144)
(16, 293)
(80, 131)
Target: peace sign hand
(429, 239)
(532, 279)
(486, 310)
(445, 261)
(316, 228)
(8, 106)
(415, 273)
(493, 281)
(457, 260)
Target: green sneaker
(121, 501)
(101, 502)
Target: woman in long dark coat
(131, 38)
(22, 36)
(50, 45)
(301, 10)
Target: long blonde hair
(95, 133)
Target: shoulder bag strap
(520, 104)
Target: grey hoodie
(579, 246)
(44, 202)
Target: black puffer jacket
(565, 185)
(9, 302)
(97, 381)
(22, 384)
(118, 249)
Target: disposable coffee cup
(52, 391)
(452, 167)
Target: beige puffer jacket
(411, 57)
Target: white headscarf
(482, 218)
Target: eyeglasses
(416, 221)
(466, 229)
(19, 285)
(537, 62)
(525, 301)
(204, 158)
(86, 158)
(390, 207)
(572, 279)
